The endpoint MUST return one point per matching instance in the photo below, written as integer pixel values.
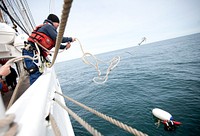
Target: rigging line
(88, 127)
(51, 9)
(4, 5)
(16, 16)
(31, 16)
(27, 15)
(24, 16)
(10, 4)
(13, 19)
(54, 125)
(49, 6)
(65, 13)
(105, 117)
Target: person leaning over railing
(45, 36)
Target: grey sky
(105, 25)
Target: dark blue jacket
(51, 31)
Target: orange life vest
(41, 38)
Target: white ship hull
(32, 108)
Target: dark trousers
(31, 67)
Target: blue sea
(164, 74)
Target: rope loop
(100, 79)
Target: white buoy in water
(164, 115)
(161, 114)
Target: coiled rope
(99, 79)
(65, 13)
(8, 120)
(109, 119)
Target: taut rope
(8, 120)
(54, 126)
(109, 119)
(81, 121)
(65, 13)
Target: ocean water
(163, 74)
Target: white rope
(105, 117)
(87, 126)
(112, 64)
(102, 79)
(9, 62)
(36, 56)
(9, 121)
(64, 17)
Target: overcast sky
(106, 25)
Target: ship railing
(33, 108)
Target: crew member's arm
(5, 70)
(52, 32)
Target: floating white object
(161, 114)
(164, 116)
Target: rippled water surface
(164, 74)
